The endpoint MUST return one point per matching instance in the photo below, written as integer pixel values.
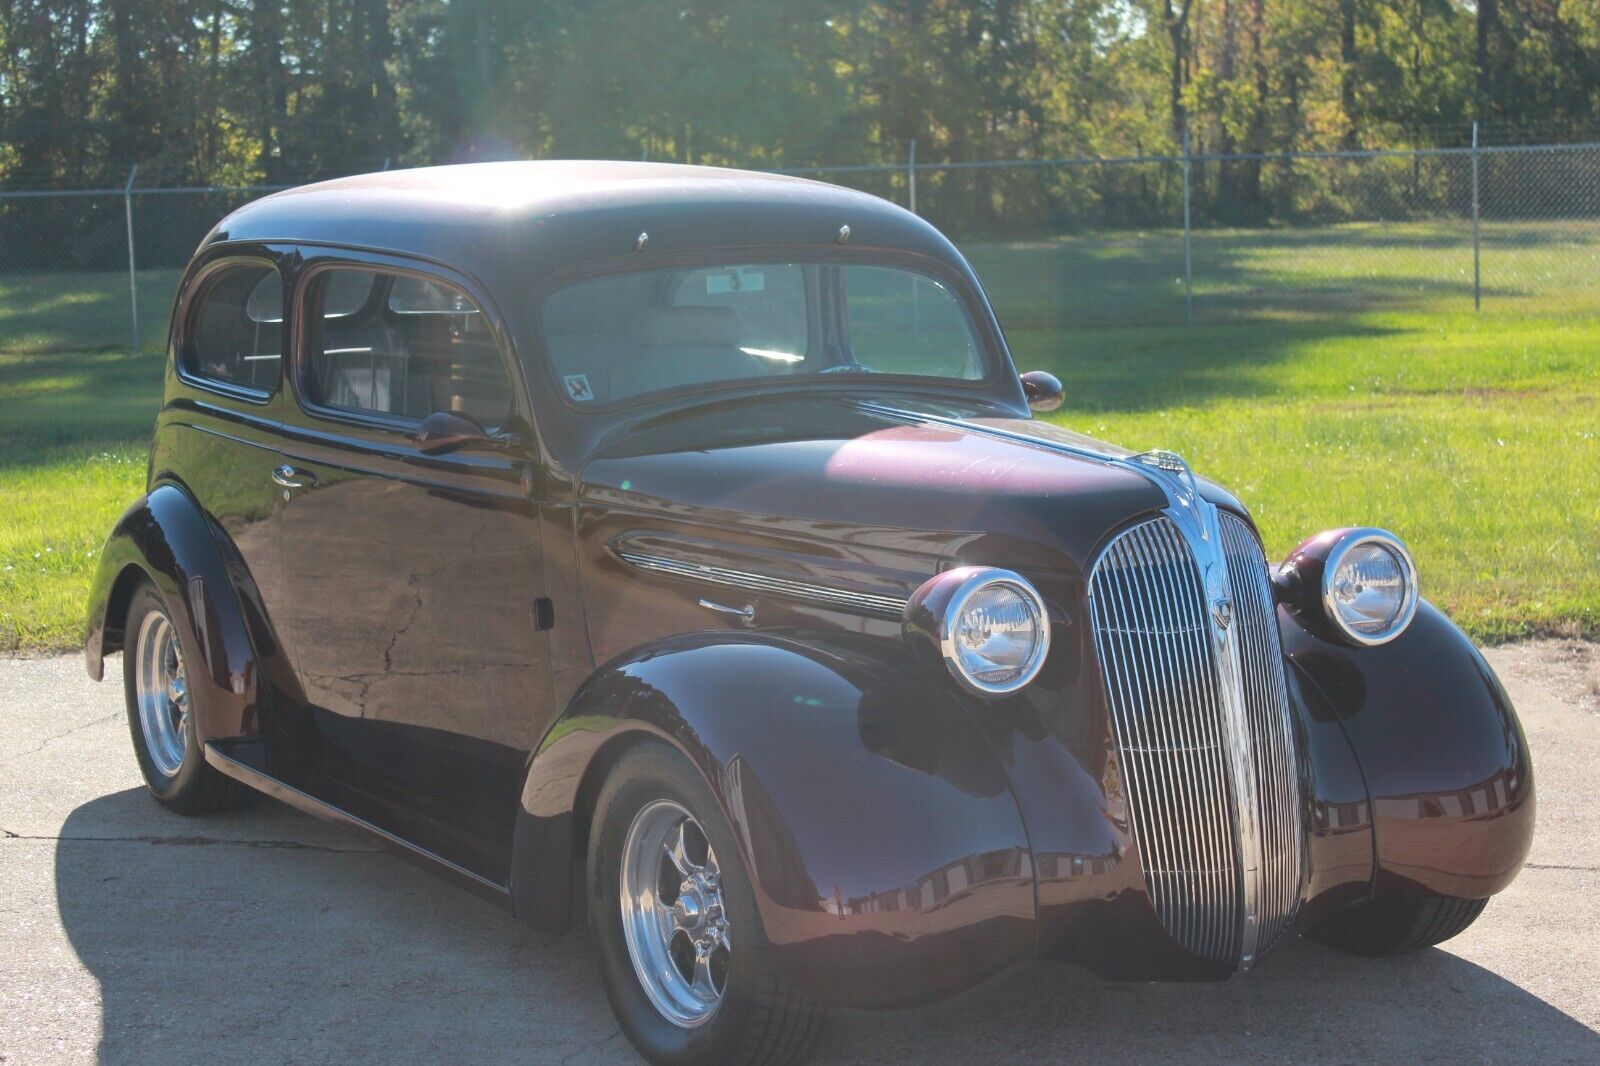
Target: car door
(414, 628)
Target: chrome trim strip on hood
(865, 602)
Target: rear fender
(887, 854)
(166, 538)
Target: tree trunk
(1177, 26)
(1228, 176)
(376, 88)
(1488, 103)
(1347, 70)
(1257, 142)
(125, 75)
(272, 108)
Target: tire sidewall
(653, 772)
(169, 789)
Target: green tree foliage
(230, 91)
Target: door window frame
(323, 260)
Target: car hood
(900, 490)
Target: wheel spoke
(702, 984)
(676, 852)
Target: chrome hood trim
(863, 602)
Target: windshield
(623, 336)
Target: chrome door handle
(286, 475)
(747, 612)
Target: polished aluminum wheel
(672, 913)
(162, 691)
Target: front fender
(889, 860)
(1444, 757)
(165, 537)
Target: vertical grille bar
(1267, 703)
(1158, 661)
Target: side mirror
(1043, 390)
(444, 431)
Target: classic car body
(451, 647)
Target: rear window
(235, 335)
(622, 336)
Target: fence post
(1188, 260)
(1477, 243)
(911, 173)
(133, 278)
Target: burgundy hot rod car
(675, 550)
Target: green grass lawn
(1336, 377)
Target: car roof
(530, 219)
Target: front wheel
(1394, 925)
(687, 966)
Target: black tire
(759, 1019)
(194, 787)
(1394, 925)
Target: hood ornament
(1172, 473)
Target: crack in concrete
(47, 741)
(416, 611)
(194, 842)
(1559, 866)
(591, 1046)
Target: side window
(235, 333)
(905, 323)
(396, 345)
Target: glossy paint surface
(1448, 772)
(878, 828)
(376, 650)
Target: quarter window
(404, 347)
(236, 332)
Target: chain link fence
(1060, 244)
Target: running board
(245, 773)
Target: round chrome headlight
(989, 626)
(1369, 586)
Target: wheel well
(583, 804)
(132, 577)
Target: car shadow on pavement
(271, 937)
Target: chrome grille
(1159, 662)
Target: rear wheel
(1394, 925)
(161, 712)
(686, 963)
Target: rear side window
(236, 329)
(401, 347)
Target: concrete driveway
(133, 935)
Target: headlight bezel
(1346, 542)
(934, 612)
